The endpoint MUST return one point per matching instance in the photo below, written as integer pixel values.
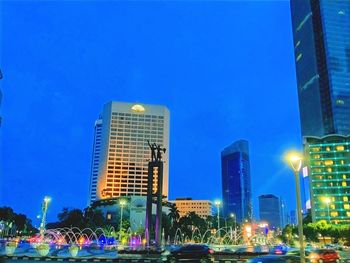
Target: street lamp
(218, 204)
(122, 203)
(44, 208)
(295, 159)
(327, 201)
(233, 216)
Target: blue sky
(225, 69)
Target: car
(199, 253)
(280, 250)
(275, 259)
(318, 255)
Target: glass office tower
(329, 159)
(236, 185)
(270, 210)
(321, 30)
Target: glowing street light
(122, 203)
(327, 201)
(218, 204)
(295, 159)
(44, 208)
(233, 217)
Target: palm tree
(174, 215)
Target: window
(328, 162)
(340, 148)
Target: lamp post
(44, 208)
(217, 204)
(122, 203)
(327, 201)
(294, 160)
(233, 216)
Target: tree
(72, 217)
(14, 221)
(174, 215)
(94, 217)
(6, 214)
(20, 221)
(323, 228)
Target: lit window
(315, 149)
(329, 170)
(345, 198)
(299, 56)
(328, 162)
(332, 206)
(346, 206)
(317, 156)
(328, 149)
(339, 102)
(340, 148)
(334, 214)
(344, 184)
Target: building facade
(203, 208)
(96, 151)
(321, 30)
(121, 152)
(0, 98)
(329, 165)
(236, 184)
(270, 210)
(133, 210)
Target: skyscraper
(236, 186)
(0, 98)
(96, 151)
(329, 162)
(321, 30)
(270, 210)
(121, 152)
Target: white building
(203, 208)
(121, 152)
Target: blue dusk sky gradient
(225, 70)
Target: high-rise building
(0, 98)
(270, 210)
(321, 30)
(329, 165)
(236, 185)
(121, 152)
(293, 220)
(202, 208)
(96, 151)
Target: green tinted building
(329, 171)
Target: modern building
(329, 165)
(133, 210)
(270, 210)
(293, 220)
(121, 152)
(203, 208)
(0, 98)
(321, 30)
(96, 151)
(236, 185)
(283, 213)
